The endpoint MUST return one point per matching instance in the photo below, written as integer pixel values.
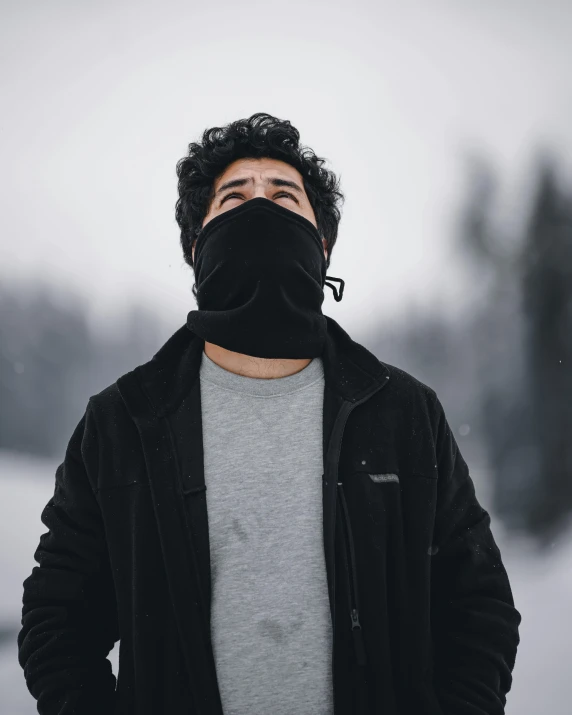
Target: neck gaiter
(260, 271)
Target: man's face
(256, 177)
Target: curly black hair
(261, 135)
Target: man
(268, 518)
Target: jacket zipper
(356, 626)
(352, 580)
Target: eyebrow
(274, 181)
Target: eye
(228, 196)
(287, 193)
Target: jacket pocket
(397, 505)
(382, 491)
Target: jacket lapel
(160, 433)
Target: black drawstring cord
(337, 295)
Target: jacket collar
(350, 370)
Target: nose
(259, 191)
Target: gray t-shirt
(270, 614)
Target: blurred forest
(502, 371)
(52, 360)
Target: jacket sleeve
(69, 622)
(473, 619)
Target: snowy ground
(542, 589)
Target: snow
(541, 586)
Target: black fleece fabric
(424, 621)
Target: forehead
(249, 167)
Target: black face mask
(260, 271)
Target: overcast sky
(99, 100)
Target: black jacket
(423, 616)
